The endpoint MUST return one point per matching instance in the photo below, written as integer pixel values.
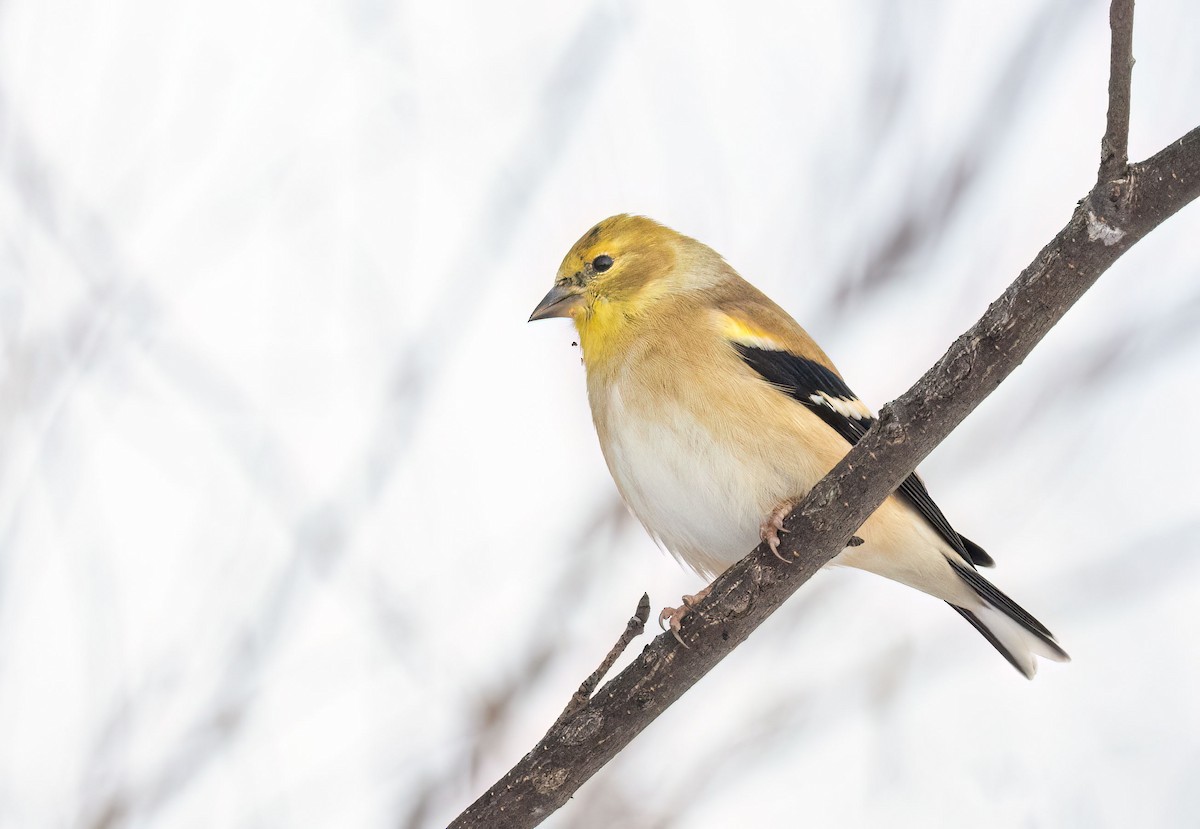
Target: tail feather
(977, 554)
(1023, 663)
(1007, 626)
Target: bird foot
(675, 614)
(770, 529)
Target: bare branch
(1114, 147)
(633, 629)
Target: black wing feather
(801, 378)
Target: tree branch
(1114, 146)
(633, 629)
(1116, 214)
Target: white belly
(698, 498)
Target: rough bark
(1114, 147)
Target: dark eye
(602, 263)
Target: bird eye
(602, 263)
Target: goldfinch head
(625, 260)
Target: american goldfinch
(716, 413)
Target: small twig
(1114, 147)
(633, 629)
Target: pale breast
(702, 470)
(694, 495)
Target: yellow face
(611, 265)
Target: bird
(716, 413)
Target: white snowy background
(301, 525)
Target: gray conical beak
(561, 300)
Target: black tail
(1008, 626)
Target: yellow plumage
(715, 410)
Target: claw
(771, 528)
(773, 543)
(667, 613)
(674, 615)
